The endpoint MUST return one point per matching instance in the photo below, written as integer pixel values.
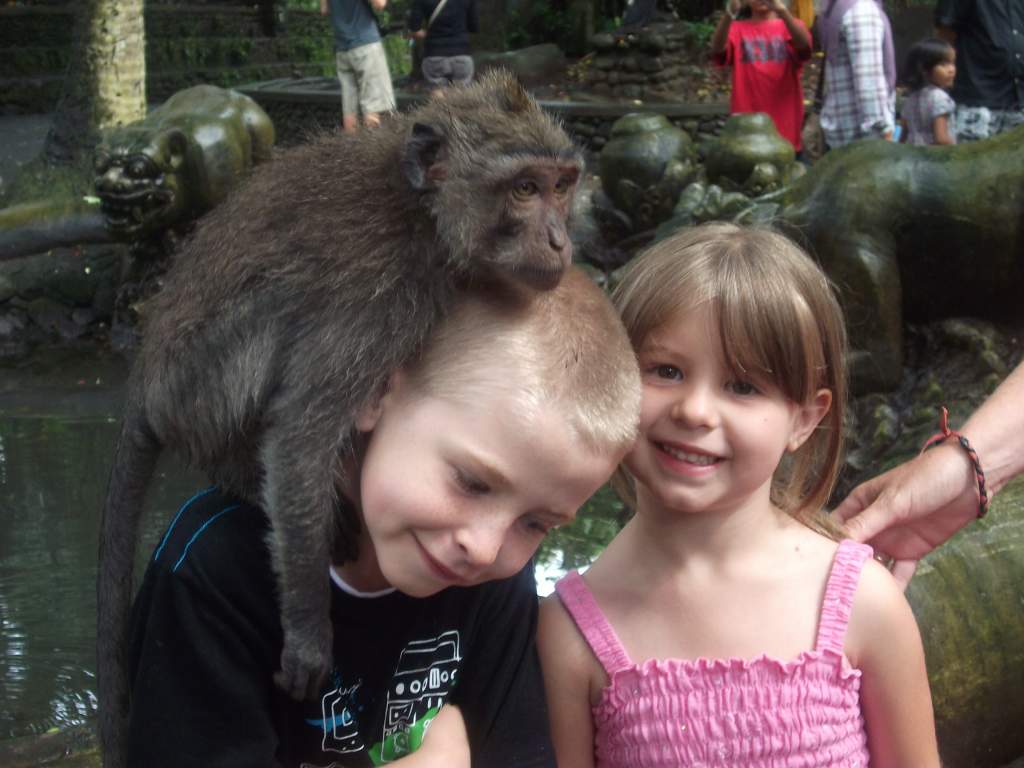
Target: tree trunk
(106, 80)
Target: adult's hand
(913, 508)
(917, 506)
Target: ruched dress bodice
(730, 713)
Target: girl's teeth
(701, 459)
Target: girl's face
(710, 441)
(943, 74)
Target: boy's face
(456, 494)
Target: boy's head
(512, 416)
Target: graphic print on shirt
(423, 678)
(763, 49)
(338, 709)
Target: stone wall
(186, 44)
(303, 106)
(655, 63)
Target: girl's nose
(695, 408)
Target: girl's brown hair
(779, 322)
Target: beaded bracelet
(944, 434)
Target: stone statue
(180, 161)
(750, 156)
(644, 166)
(913, 234)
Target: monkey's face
(458, 493)
(531, 243)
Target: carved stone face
(137, 181)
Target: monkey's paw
(305, 662)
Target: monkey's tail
(134, 464)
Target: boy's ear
(808, 418)
(370, 412)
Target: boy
(511, 418)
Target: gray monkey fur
(287, 310)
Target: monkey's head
(499, 177)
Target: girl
(766, 52)
(927, 112)
(723, 626)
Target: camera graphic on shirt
(340, 728)
(423, 677)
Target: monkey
(288, 308)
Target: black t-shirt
(989, 51)
(206, 637)
(448, 35)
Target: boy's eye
(742, 388)
(536, 526)
(470, 484)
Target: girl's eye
(470, 484)
(742, 388)
(668, 372)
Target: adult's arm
(913, 508)
(864, 32)
(325, 7)
(417, 17)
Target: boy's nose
(480, 543)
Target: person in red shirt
(766, 52)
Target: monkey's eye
(525, 189)
(562, 186)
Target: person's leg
(461, 69)
(375, 92)
(349, 92)
(434, 69)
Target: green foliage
(541, 23)
(702, 32)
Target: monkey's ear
(422, 163)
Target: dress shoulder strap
(842, 586)
(580, 603)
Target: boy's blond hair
(565, 347)
(778, 322)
